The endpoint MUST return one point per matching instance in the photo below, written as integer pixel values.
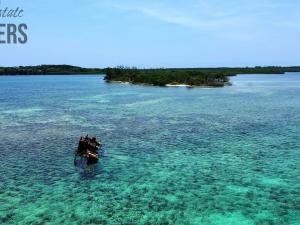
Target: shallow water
(171, 155)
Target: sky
(156, 33)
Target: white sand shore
(178, 85)
(167, 85)
(119, 82)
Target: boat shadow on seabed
(87, 156)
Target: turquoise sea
(225, 156)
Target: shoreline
(145, 84)
(179, 85)
(169, 85)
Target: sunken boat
(88, 148)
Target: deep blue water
(171, 155)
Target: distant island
(47, 70)
(210, 77)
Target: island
(48, 70)
(205, 77)
(209, 77)
(163, 77)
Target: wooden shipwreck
(89, 148)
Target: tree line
(47, 70)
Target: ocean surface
(224, 156)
